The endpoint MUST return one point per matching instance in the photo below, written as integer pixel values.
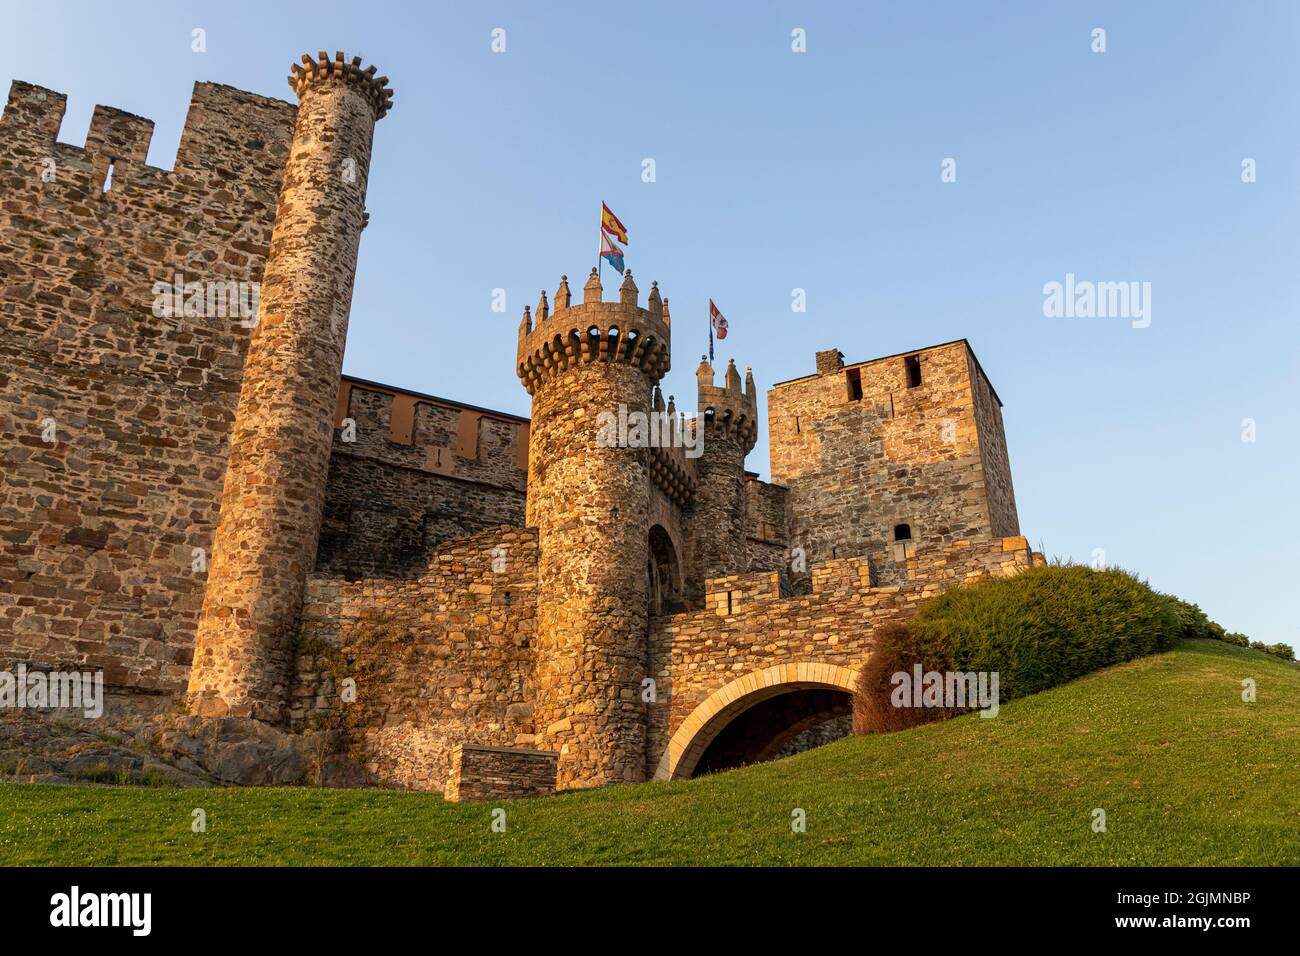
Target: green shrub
(1283, 651)
(1036, 629)
(1047, 625)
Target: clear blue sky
(820, 171)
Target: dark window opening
(902, 532)
(854, 378)
(913, 363)
(663, 574)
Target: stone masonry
(499, 773)
(201, 505)
(114, 420)
(280, 445)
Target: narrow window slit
(913, 363)
(854, 378)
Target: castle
(209, 512)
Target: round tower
(270, 517)
(715, 520)
(588, 368)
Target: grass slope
(1187, 773)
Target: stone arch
(706, 721)
(664, 571)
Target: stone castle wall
(98, 527)
(420, 471)
(767, 533)
(856, 467)
(1003, 518)
(448, 657)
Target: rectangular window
(854, 378)
(913, 364)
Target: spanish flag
(609, 222)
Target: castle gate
(809, 693)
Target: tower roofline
(885, 358)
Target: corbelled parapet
(595, 331)
(729, 409)
(670, 466)
(340, 70)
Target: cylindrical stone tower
(589, 369)
(715, 518)
(274, 490)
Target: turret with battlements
(589, 368)
(715, 518)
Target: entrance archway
(664, 573)
(694, 737)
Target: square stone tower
(880, 456)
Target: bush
(1036, 629)
(1196, 624)
(872, 712)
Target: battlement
(595, 331)
(232, 140)
(322, 70)
(728, 409)
(931, 567)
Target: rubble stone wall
(99, 525)
(446, 658)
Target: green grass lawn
(1186, 772)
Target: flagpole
(600, 232)
(710, 320)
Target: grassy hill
(1186, 772)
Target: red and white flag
(717, 321)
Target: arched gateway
(702, 726)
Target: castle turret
(588, 368)
(270, 517)
(715, 518)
